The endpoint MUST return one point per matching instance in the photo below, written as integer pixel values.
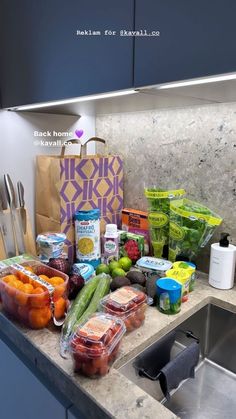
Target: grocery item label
(164, 301)
(35, 278)
(210, 219)
(16, 259)
(96, 328)
(157, 219)
(176, 232)
(154, 264)
(110, 246)
(87, 239)
(164, 194)
(123, 296)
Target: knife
(21, 191)
(3, 230)
(11, 198)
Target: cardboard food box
(136, 221)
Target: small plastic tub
(152, 266)
(168, 295)
(183, 276)
(192, 269)
(50, 245)
(127, 303)
(28, 301)
(95, 344)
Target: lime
(125, 263)
(113, 265)
(102, 268)
(118, 272)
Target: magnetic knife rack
(6, 235)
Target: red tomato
(89, 369)
(108, 337)
(103, 370)
(78, 365)
(97, 349)
(128, 324)
(100, 362)
(136, 323)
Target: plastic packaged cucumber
(191, 227)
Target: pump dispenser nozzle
(224, 242)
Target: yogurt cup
(152, 266)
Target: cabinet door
(197, 38)
(22, 395)
(44, 59)
(74, 413)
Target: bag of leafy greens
(158, 217)
(191, 227)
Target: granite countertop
(113, 395)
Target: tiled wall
(192, 147)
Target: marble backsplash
(193, 148)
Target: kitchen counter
(113, 395)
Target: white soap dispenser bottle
(222, 264)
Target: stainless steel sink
(212, 394)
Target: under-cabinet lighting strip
(73, 100)
(192, 82)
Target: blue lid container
(168, 295)
(87, 215)
(84, 269)
(171, 286)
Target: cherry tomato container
(95, 344)
(127, 303)
(29, 301)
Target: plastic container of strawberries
(127, 303)
(28, 301)
(95, 344)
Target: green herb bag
(191, 227)
(158, 217)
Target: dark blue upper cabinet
(43, 59)
(197, 38)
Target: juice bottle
(110, 243)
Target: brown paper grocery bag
(66, 184)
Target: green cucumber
(78, 307)
(102, 289)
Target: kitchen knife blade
(3, 229)
(21, 192)
(11, 198)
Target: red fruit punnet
(132, 250)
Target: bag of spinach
(191, 227)
(158, 217)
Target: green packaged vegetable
(158, 216)
(191, 227)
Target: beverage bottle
(110, 243)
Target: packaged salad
(158, 217)
(191, 227)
